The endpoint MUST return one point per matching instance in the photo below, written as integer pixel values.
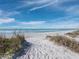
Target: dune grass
(73, 34)
(10, 45)
(66, 42)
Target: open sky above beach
(39, 14)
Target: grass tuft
(66, 42)
(12, 44)
(73, 34)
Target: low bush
(11, 45)
(66, 42)
(73, 34)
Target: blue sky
(39, 14)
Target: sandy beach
(42, 48)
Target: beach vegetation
(73, 34)
(66, 42)
(12, 44)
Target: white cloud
(38, 4)
(26, 3)
(42, 6)
(68, 23)
(74, 10)
(7, 13)
(6, 20)
(32, 5)
(32, 23)
(65, 22)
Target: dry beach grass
(66, 42)
(73, 34)
(10, 45)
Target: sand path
(44, 49)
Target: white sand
(42, 48)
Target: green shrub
(11, 45)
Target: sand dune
(44, 49)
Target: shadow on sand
(25, 47)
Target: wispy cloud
(45, 5)
(36, 2)
(32, 23)
(73, 10)
(67, 22)
(6, 20)
(27, 3)
(8, 13)
(39, 4)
